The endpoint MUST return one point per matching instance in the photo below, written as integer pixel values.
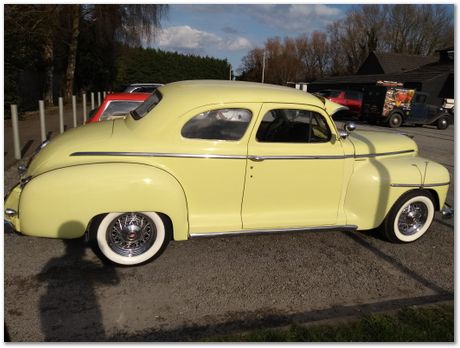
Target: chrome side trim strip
(268, 231)
(156, 154)
(251, 157)
(420, 185)
(384, 153)
(261, 158)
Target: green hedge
(153, 65)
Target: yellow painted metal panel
(61, 203)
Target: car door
(295, 171)
(419, 111)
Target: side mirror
(347, 128)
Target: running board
(278, 230)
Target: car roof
(128, 96)
(144, 84)
(202, 92)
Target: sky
(231, 31)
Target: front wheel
(132, 238)
(442, 123)
(410, 217)
(395, 120)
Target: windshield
(147, 106)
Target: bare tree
(129, 24)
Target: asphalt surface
(61, 291)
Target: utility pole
(230, 72)
(263, 68)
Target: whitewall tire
(410, 217)
(131, 238)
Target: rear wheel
(410, 217)
(395, 120)
(442, 123)
(132, 238)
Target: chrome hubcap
(412, 218)
(131, 234)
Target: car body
(395, 106)
(142, 87)
(213, 158)
(350, 98)
(116, 105)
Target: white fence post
(74, 111)
(41, 106)
(84, 108)
(98, 98)
(14, 123)
(104, 94)
(61, 115)
(92, 100)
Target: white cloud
(297, 17)
(236, 44)
(186, 38)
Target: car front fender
(61, 203)
(376, 184)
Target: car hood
(333, 107)
(374, 142)
(57, 153)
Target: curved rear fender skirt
(370, 195)
(60, 203)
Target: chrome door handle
(256, 158)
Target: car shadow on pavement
(69, 309)
(355, 236)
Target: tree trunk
(49, 57)
(70, 73)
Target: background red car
(352, 99)
(117, 105)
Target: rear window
(147, 106)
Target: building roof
(395, 62)
(424, 73)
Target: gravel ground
(61, 291)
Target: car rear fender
(61, 203)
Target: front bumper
(447, 211)
(11, 212)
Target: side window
(293, 126)
(353, 95)
(420, 98)
(221, 124)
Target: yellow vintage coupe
(213, 158)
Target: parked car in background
(142, 87)
(395, 106)
(351, 99)
(116, 105)
(213, 158)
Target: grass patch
(431, 324)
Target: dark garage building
(435, 76)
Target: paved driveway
(56, 290)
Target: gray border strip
(251, 157)
(268, 231)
